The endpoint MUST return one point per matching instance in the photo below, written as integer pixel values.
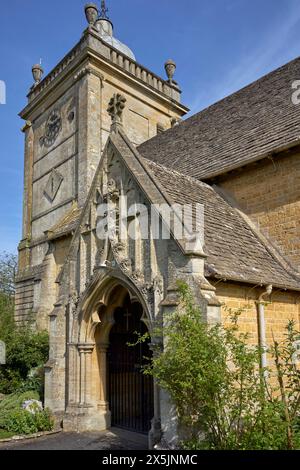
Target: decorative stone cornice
(63, 64)
(29, 273)
(91, 44)
(87, 70)
(24, 244)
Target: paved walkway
(115, 439)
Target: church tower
(66, 129)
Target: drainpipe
(260, 305)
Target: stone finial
(116, 107)
(170, 68)
(37, 73)
(91, 13)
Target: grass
(5, 434)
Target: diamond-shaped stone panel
(53, 185)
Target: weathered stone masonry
(101, 126)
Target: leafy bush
(6, 316)
(14, 419)
(213, 378)
(26, 350)
(21, 421)
(14, 402)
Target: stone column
(90, 414)
(103, 404)
(85, 353)
(73, 375)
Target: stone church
(101, 126)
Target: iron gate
(130, 391)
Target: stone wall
(24, 300)
(270, 194)
(67, 126)
(141, 115)
(54, 165)
(283, 306)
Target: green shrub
(19, 422)
(44, 421)
(213, 378)
(16, 420)
(22, 377)
(26, 350)
(13, 403)
(23, 422)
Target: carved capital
(86, 348)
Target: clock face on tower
(53, 127)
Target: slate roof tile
(66, 224)
(234, 252)
(246, 126)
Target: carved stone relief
(52, 128)
(53, 185)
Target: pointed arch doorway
(130, 392)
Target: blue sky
(219, 46)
